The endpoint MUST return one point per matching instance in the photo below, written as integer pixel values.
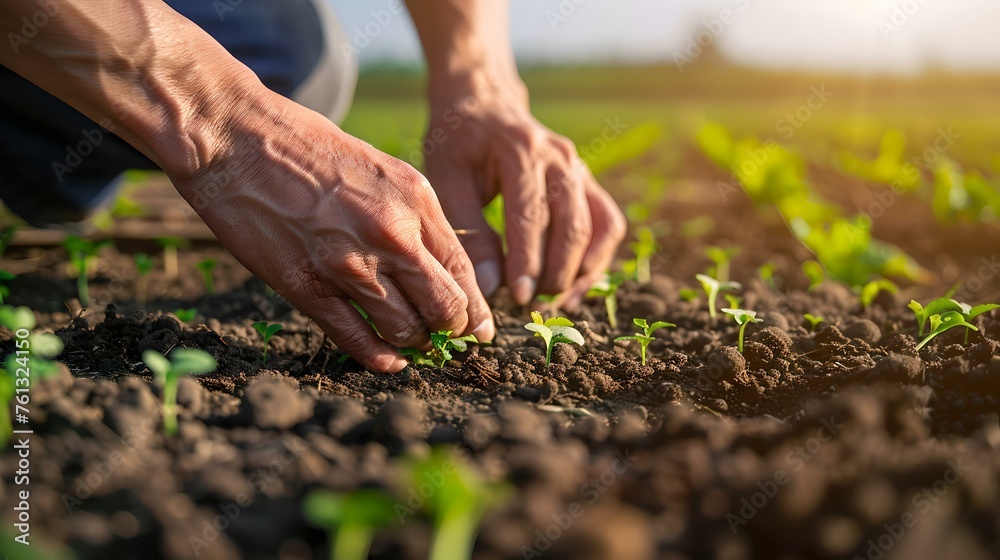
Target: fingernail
(523, 289)
(488, 277)
(485, 331)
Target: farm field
(833, 424)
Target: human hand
(324, 218)
(562, 227)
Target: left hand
(562, 227)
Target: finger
(397, 320)
(570, 229)
(527, 213)
(609, 226)
(465, 214)
(352, 334)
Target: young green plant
(943, 322)
(743, 318)
(266, 330)
(551, 331)
(168, 374)
(186, 315)
(814, 272)
(721, 257)
(170, 246)
(350, 519)
(607, 288)
(713, 288)
(443, 346)
(872, 289)
(30, 360)
(207, 269)
(83, 258)
(646, 336)
(644, 247)
(813, 321)
(143, 266)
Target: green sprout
(458, 504)
(712, 289)
(814, 272)
(143, 265)
(943, 322)
(722, 257)
(556, 329)
(350, 519)
(83, 258)
(607, 288)
(441, 353)
(813, 321)
(646, 336)
(872, 289)
(743, 318)
(207, 268)
(168, 374)
(266, 330)
(935, 307)
(4, 289)
(644, 247)
(31, 359)
(170, 246)
(186, 315)
(766, 274)
(969, 313)
(687, 294)
(733, 300)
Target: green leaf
(660, 325)
(15, 318)
(192, 362)
(324, 508)
(156, 363)
(272, 329)
(558, 322)
(639, 322)
(980, 309)
(45, 345)
(570, 334)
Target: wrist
(475, 87)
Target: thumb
(459, 199)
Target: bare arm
(322, 217)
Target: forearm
(155, 78)
(467, 47)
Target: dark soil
(840, 443)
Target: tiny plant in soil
(607, 288)
(713, 288)
(168, 374)
(646, 336)
(721, 257)
(4, 290)
(813, 321)
(143, 266)
(766, 275)
(186, 315)
(814, 272)
(350, 519)
(733, 300)
(170, 246)
(267, 331)
(943, 322)
(644, 247)
(551, 331)
(83, 259)
(969, 313)
(688, 294)
(207, 269)
(743, 318)
(871, 290)
(30, 360)
(935, 307)
(443, 346)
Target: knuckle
(565, 147)
(448, 308)
(354, 342)
(409, 331)
(579, 229)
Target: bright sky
(860, 35)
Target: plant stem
(170, 407)
(743, 328)
(926, 340)
(642, 270)
(351, 542)
(264, 362)
(454, 535)
(209, 288)
(643, 352)
(611, 303)
(82, 288)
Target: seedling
(556, 329)
(644, 248)
(266, 330)
(350, 519)
(168, 374)
(143, 265)
(713, 288)
(743, 318)
(936, 307)
(969, 313)
(733, 300)
(687, 294)
(813, 321)
(186, 315)
(943, 322)
(646, 336)
(442, 352)
(4, 290)
(34, 350)
(766, 275)
(722, 257)
(458, 504)
(170, 246)
(607, 288)
(83, 258)
(207, 268)
(814, 272)
(872, 289)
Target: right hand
(324, 218)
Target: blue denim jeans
(294, 47)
